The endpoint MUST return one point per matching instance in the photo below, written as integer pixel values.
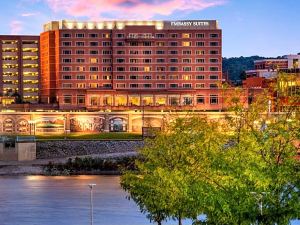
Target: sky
(266, 28)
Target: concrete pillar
(129, 123)
(106, 122)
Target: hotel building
(121, 65)
(19, 70)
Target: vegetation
(243, 169)
(88, 164)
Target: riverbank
(40, 166)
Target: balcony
(10, 86)
(30, 53)
(10, 62)
(30, 46)
(13, 54)
(30, 85)
(10, 70)
(30, 61)
(30, 69)
(9, 46)
(10, 77)
(30, 77)
(30, 93)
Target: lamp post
(91, 186)
(259, 197)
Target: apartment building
(19, 70)
(132, 64)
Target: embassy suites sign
(191, 24)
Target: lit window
(93, 60)
(185, 35)
(186, 43)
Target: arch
(8, 125)
(118, 124)
(87, 123)
(22, 126)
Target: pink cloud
(128, 9)
(16, 27)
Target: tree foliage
(224, 169)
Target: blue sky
(250, 27)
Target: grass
(94, 136)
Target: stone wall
(60, 149)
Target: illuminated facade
(19, 70)
(121, 65)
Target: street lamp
(259, 198)
(91, 186)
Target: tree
(241, 169)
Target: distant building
(124, 65)
(19, 70)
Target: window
(66, 68)
(67, 99)
(147, 60)
(200, 99)
(199, 77)
(79, 52)
(187, 68)
(200, 43)
(147, 43)
(147, 77)
(106, 60)
(213, 86)
(120, 43)
(79, 35)
(187, 85)
(94, 68)
(213, 68)
(186, 43)
(120, 35)
(147, 52)
(80, 77)
(80, 60)
(106, 35)
(67, 43)
(147, 69)
(107, 77)
(120, 52)
(93, 43)
(133, 52)
(67, 77)
(161, 85)
(121, 85)
(106, 68)
(93, 85)
(134, 68)
(173, 77)
(186, 52)
(66, 85)
(93, 77)
(213, 60)
(213, 99)
(120, 77)
(134, 77)
(133, 43)
(160, 68)
(173, 43)
(187, 100)
(107, 86)
(200, 86)
(66, 52)
(80, 99)
(147, 85)
(120, 60)
(93, 60)
(200, 52)
(173, 85)
(186, 77)
(67, 60)
(173, 52)
(79, 43)
(94, 52)
(174, 60)
(200, 68)
(200, 60)
(186, 35)
(213, 52)
(66, 35)
(159, 35)
(106, 43)
(160, 60)
(213, 77)
(93, 35)
(133, 60)
(106, 52)
(173, 35)
(160, 43)
(133, 85)
(200, 35)
(214, 43)
(80, 85)
(120, 68)
(214, 35)
(80, 68)
(160, 52)
(187, 60)
(161, 77)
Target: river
(41, 200)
